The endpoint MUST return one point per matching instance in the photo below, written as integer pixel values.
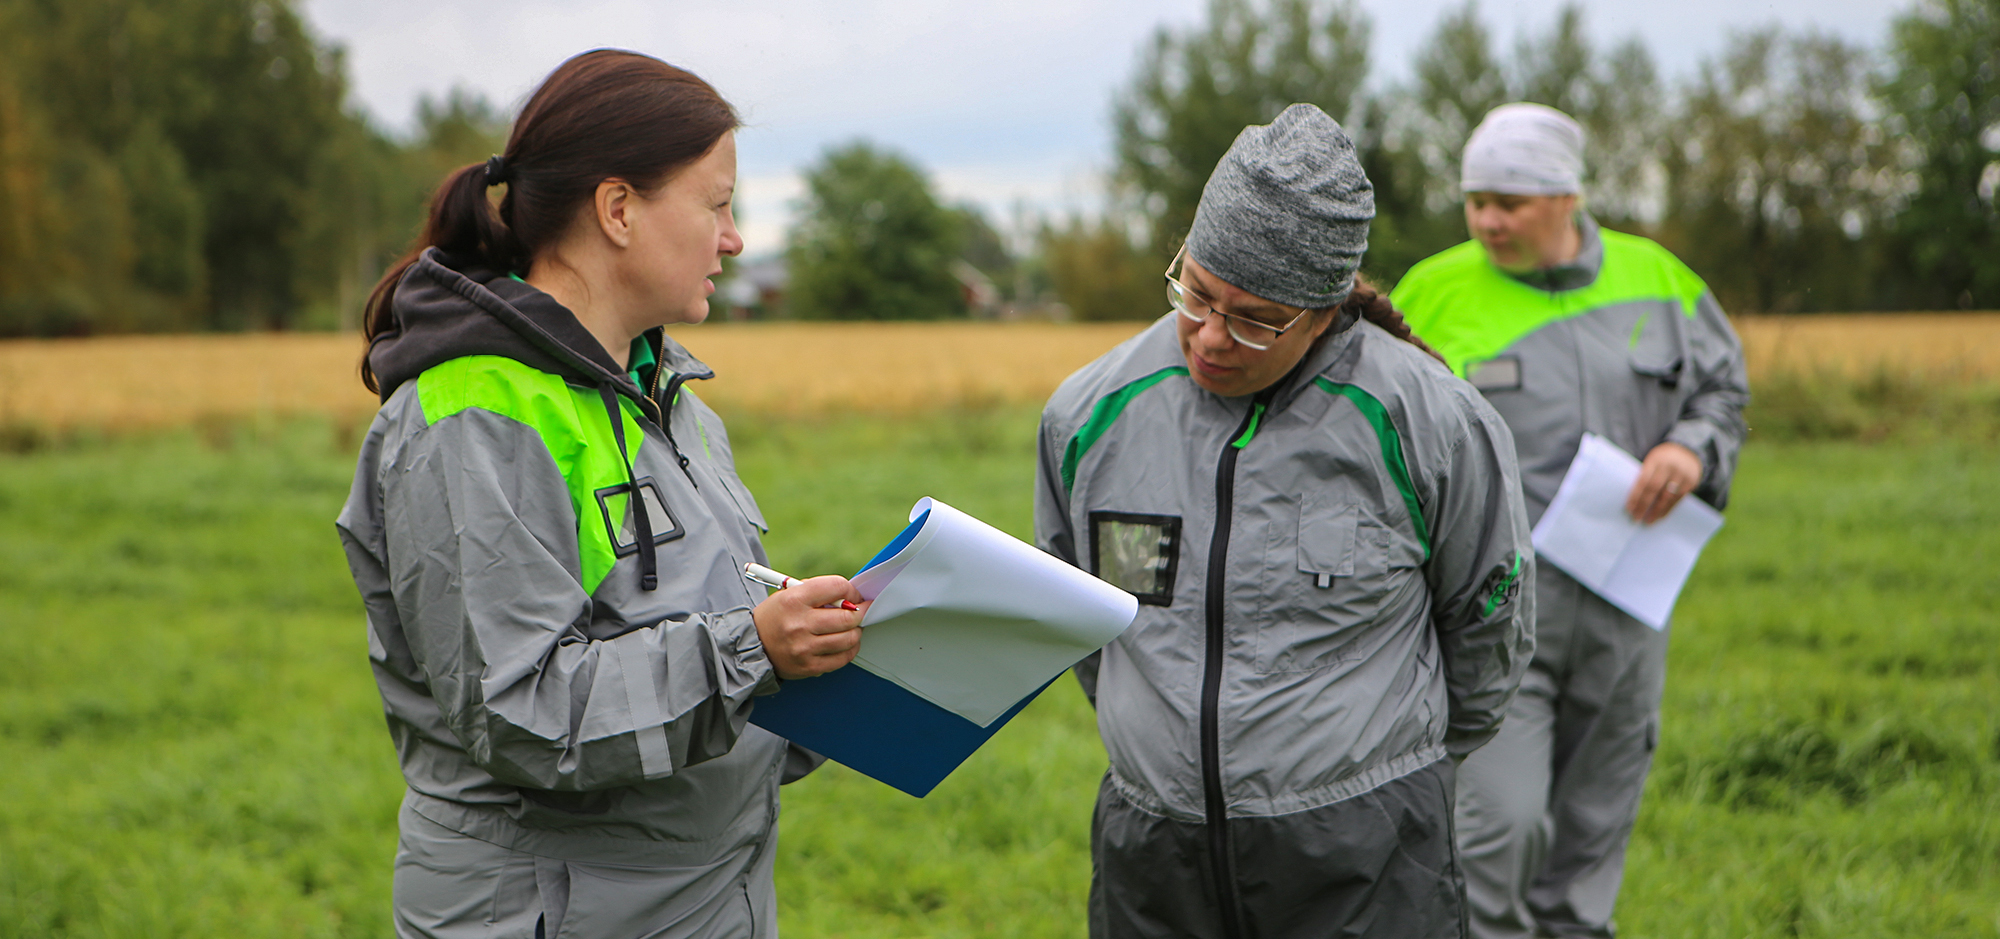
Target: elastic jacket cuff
(736, 630)
(1699, 437)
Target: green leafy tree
(204, 168)
(1194, 91)
(1459, 79)
(1778, 180)
(1944, 89)
(1411, 221)
(1411, 139)
(1100, 272)
(98, 226)
(872, 242)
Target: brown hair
(605, 114)
(1372, 305)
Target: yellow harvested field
(132, 382)
(817, 367)
(1957, 346)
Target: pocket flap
(745, 502)
(1326, 534)
(1654, 348)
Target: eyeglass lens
(1255, 335)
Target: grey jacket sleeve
(1481, 575)
(482, 559)
(1711, 422)
(1053, 532)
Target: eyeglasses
(1251, 333)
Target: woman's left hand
(1669, 473)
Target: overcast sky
(1003, 103)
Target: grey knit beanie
(1285, 214)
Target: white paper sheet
(973, 619)
(1638, 568)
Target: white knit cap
(1524, 150)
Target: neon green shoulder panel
(571, 424)
(1469, 311)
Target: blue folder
(873, 725)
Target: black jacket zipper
(1221, 856)
(665, 402)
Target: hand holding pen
(776, 581)
(809, 627)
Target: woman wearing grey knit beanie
(1326, 532)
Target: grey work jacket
(538, 697)
(1334, 574)
(1624, 342)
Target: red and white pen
(777, 581)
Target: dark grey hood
(445, 309)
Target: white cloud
(764, 210)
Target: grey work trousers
(450, 885)
(1545, 809)
(1379, 865)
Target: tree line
(194, 165)
(1795, 171)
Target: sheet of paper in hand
(972, 619)
(1638, 568)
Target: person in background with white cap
(1326, 534)
(1569, 328)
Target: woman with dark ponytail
(1325, 531)
(548, 532)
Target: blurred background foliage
(872, 241)
(191, 165)
(172, 165)
(1795, 171)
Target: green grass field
(193, 745)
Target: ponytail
(1370, 304)
(605, 114)
(463, 223)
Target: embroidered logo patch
(1500, 588)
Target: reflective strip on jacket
(1373, 603)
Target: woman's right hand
(802, 636)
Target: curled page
(973, 619)
(1638, 568)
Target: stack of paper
(968, 625)
(1638, 568)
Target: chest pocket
(1326, 539)
(745, 503)
(1658, 382)
(1328, 578)
(1654, 348)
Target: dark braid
(1373, 306)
